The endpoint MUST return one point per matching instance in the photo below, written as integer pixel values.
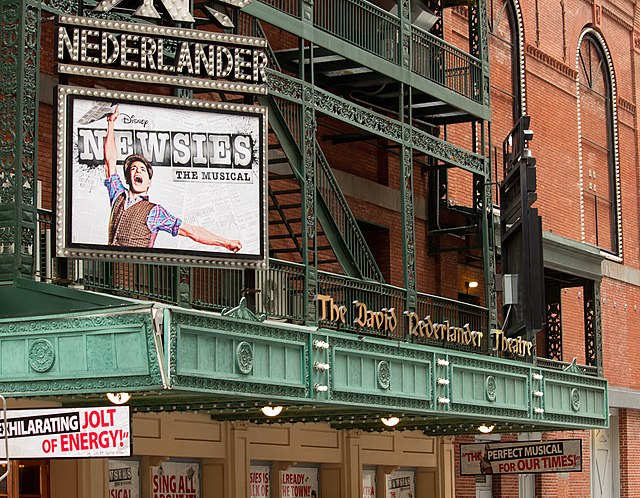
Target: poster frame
(64, 163)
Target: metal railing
(361, 24)
(280, 294)
(378, 298)
(371, 28)
(291, 7)
(330, 195)
(440, 62)
(564, 365)
(344, 220)
(43, 268)
(292, 114)
(137, 280)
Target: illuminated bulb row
(164, 31)
(443, 401)
(155, 99)
(443, 382)
(161, 79)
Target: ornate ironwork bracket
(243, 312)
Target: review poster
(299, 482)
(160, 178)
(124, 479)
(368, 483)
(259, 477)
(400, 484)
(67, 433)
(175, 480)
(562, 455)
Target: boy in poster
(134, 220)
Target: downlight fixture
(390, 422)
(271, 411)
(118, 398)
(486, 429)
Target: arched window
(505, 28)
(507, 76)
(600, 203)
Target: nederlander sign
(385, 321)
(154, 54)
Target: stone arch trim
(597, 36)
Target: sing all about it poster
(194, 185)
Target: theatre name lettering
(154, 54)
(386, 321)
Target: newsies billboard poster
(161, 179)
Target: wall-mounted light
(118, 398)
(271, 411)
(390, 422)
(472, 284)
(486, 429)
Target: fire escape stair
(339, 240)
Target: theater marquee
(103, 48)
(160, 179)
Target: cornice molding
(550, 61)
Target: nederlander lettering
(443, 331)
(131, 51)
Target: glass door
(27, 479)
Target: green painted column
(483, 201)
(19, 59)
(408, 221)
(406, 166)
(593, 325)
(308, 209)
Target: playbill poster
(124, 478)
(161, 177)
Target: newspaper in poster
(564, 455)
(124, 479)
(146, 178)
(400, 484)
(259, 478)
(67, 432)
(299, 482)
(175, 480)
